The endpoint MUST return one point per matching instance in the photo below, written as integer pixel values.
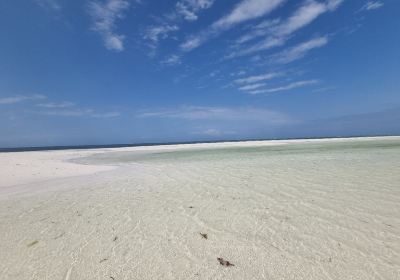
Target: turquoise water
(232, 153)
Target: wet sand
(304, 209)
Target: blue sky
(134, 71)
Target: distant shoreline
(108, 146)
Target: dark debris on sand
(33, 243)
(204, 235)
(225, 262)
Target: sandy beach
(295, 209)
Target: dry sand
(304, 209)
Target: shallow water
(254, 153)
(298, 211)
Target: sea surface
(313, 210)
(338, 147)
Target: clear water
(232, 153)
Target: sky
(77, 72)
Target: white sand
(279, 214)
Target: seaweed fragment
(225, 262)
(204, 235)
(33, 243)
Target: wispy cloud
(189, 8)
(157, 32)
(266, 44)
(287, 87)
(306, 14)
(52, 105)
(79, 113)
(258, 30)
(210, 132)
(373, 5)
(252, 86)
(69, 109)
(278, 31)
(244, 11)
(194, 41)
(184, 10)
(104, 15)
(258, 78)
(20, 98)
(218, 113)
(53, 5)
(67, 113)
(172, 60)
(299, 51)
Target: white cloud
(259, 30)
(20, 98)
(69, 109)
(286, 87)
(183, 10)
(172, 60)
(104, 16)
(49, 4)
(373, 5)
(252, 86)
(279, 31)
(258, 78)
(266, 44)
(68, 113)
(238, 73)
(57, 109)
(157, 32)
(194, 113)
(192, 43)
(64, 104)
(304, 16)
(244, 11)
(189, 8)
(80, 113)
(210, 132)
(299, 51)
